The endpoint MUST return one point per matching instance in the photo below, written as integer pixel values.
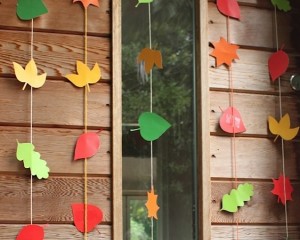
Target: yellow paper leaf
(29, 75)
(283, 127)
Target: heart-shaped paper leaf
(229, 203)
(278, 64)
(31, 232)
(152, 126)
(283, 5)
(143, 1)
(29, 9)
(94, 216)
(231, 121)
(87, 145)
(229, 8)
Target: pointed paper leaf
(231, 121)
(151, 204)
(86, 3)
(150, 57)
(278, 64)
(152, 126)
(94, 216)
(87, 145)
(283, 5)
(229, 8)
(143, 1)
(224, 52)
(283, 127)
(29, 9)
(31, 232)
(284, 193)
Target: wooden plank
(58, 232)
(61, 16)
(255, 158)
(255, 232)
(55, 54)
(52, 198)
(255, 28)
(254, 109)
(263, 207)
(56, 146)
(56, 103)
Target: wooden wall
(258, 157)
(57, 118)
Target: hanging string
(282, 142)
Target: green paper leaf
(236, 198)
(143, 1)
(152, 126)
(283, 5)
(29, 9)
(32, 160)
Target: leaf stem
(276, 138)
(135, 129)
(24, 86)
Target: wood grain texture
(255, 232)
(62, 15)
(263, 207)
(56, 146)
(255, 157)
(56, 103)
(59, 232)
(52, 198)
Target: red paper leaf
(278, 64)
(94, 216)
(279, 189)
(87, 145)
(229, 8)
(231, 121)
(31, 232)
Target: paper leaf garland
(151, 204)
(282, 128)
(237, 197)
(31, 232)
(143, 1)
(231, 121)
(86, 3)
(282, 4)
(29, 9)
(87, 145)
(229, 8)
(85, 76)
(152, 126)
(224, 52)
(31, 159)
(94, 216)
(278, 64)
(278, 189)
(29, 75)
(150, 57)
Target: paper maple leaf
(86, 3)
(224, 52)
(279, 189)
(151, 204)
(150, 57)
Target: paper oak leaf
(87, 145)
(31, 232)
(224, 52)
(279, 189)
(237, 197)
(94, 216)
(31, 159)
(143, 1)
(283, 5)
(231, 121)
(86, 3)
(151, 204)
(278, 64)
(29, 9)
(282, 128)
(85, 76)
(152, 126)
(29, 75)
(150, 57)
(229, 8)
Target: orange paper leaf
(150, 57)
(151, 204)
(224, 52)
(283, 189)
(86, 3)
